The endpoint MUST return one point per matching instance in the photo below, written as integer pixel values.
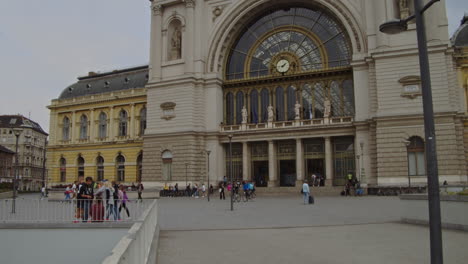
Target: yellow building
(96, 128)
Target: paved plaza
(282, 229)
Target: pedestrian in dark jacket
(85, 197)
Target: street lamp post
(393, 27)
(230, 172)
(44, 166)
(17, 133)
(186, 166)
(208, 174)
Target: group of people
(248, 188)
(352, 184)
(100, 201)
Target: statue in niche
(404, 9)
(297, 110)
(270, 113)
(176, 44)
(244, 115)
(327, 105)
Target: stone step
(316, 191)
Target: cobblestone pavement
(267, 212)
(281, 230)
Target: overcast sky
(45, 45)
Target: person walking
(140, 189)
(124, 201)
(67, 193)
(305, 192)
(203, 188)
(43, 192)
(221, 191)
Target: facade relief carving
(176, 44)
(403, 6)
(271, 114)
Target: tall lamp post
(186, 166)
(17, 133)
(208, 174)
(394, 27)
(230, 172)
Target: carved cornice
(189, 3)
(157, 10)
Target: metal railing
(71, 211)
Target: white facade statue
(270, 113)
(297, 110)
(176, 44)
(327, 105)
(244, 115)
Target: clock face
(282, 66)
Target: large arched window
(308, 38)
(100, 168)
(123, 121)
(66, 129)
(120, 167)
(102, 125)
(283, 54)
(167, 165)
(139, 167)
(83, 127)
(63, 170)
(142, 121)
(416, 159)
(81, 165)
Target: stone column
(111, 123)
(72, 127)
(156, 43)
(245, 161)
(132, 121)
(272, 180)
(91, 134)
(188, 39)
(328, 162)
(299, 162)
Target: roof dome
(460, 37)
(96, 83)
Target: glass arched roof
(313, 37)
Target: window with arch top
(120, 167)
(102, 125)
(142, 121)
(66, 129)
(100, 168)
(167, 165)
(416, 157)
(123, 123)
(63, 170)
(83, 127)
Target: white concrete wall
(140, 245)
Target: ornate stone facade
(364, 133)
